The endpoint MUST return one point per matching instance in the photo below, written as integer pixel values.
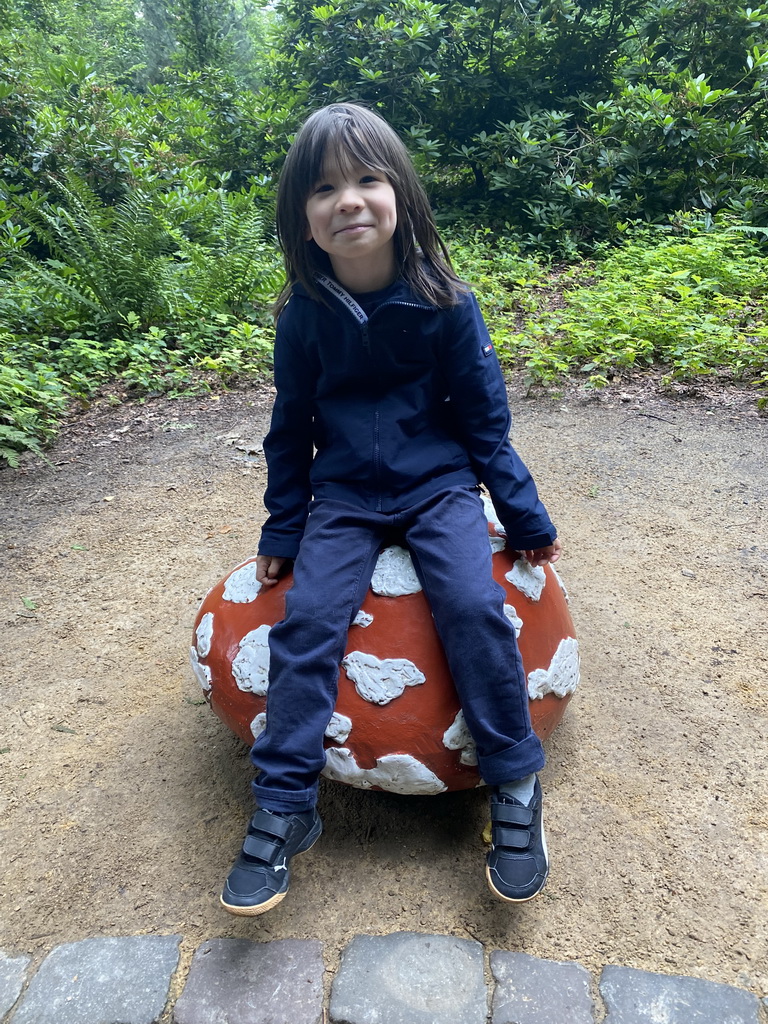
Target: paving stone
(641, 997)
(409, 978)
(533, 991)
(236, 981)
(102, 981)
(12, 971)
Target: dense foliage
(690, 304)
(140, 142)
(558, 120)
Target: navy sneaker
(260, 876)
(517, 866)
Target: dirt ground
(124, 799)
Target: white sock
(520, 789)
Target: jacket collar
(398, 291)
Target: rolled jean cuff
(285, 801)
(513, 763)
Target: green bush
(551, 121)
(161, 290)
(32, 399)
(694, 305)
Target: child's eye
(323, 188)
(368, 178)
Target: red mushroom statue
(398, 724)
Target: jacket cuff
(278, 547)
(533, 541)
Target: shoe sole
(512, 899)
(262, 908)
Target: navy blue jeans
(447, 536)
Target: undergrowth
(148, 295)
(691, 304)
(159, 292)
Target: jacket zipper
(364, 321)
(400, 302)
(364, 327)
(366, 337)
(377, 459)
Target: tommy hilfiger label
(345, 297)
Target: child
(391, 410)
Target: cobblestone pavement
(402, 978)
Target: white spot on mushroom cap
(250, 666)
(511, 613)
(380, 680)
(497, 544)
(492, 516)
(204, 635)
(528, 579)
(339, 728)
(394, 574)
(559, 579)
(458, 737)
(363, 619)
(202, 672)
(242, 586)
(397, 773)
(562, 676)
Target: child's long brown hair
(347, 132)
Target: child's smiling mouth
(353, 229)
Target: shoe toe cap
(517, 878)
(248, 887)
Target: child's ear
(307, 233)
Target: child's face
(352, 215)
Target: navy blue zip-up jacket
(382, 413)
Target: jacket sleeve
(481, 417)
(288, 445)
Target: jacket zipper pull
(366, 338)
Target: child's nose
(349, 199)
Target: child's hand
(268, 569)
(540, 556)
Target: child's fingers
(268, 570)
(540, 556)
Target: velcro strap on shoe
(261, 849)
(270, 824)
(511, 814)
(512, 838)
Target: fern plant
(101, 262)
(230, 266)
